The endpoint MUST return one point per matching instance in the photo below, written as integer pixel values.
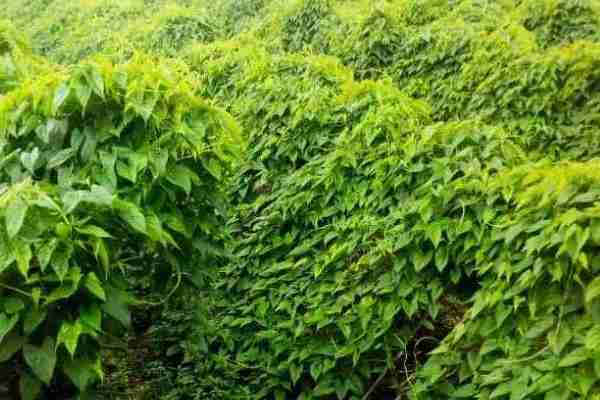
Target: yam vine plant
(363, 223)
(68, 32)
(17, 61)
(10, 44)
(237, 16)
(103, 167)
(279, 134)
(532, 330)
(368, 241)
(506, 62)
(284, 209)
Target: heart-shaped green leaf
(41, 360)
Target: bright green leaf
(15, 216)
(592, 290)
(132, 215)
(59, 97)
(92, 230)
(29, 159)
(23, 255)
(93, 284)
(60, 158)
(575, 357)
(69, 336)
(592, 338)
(44, 253)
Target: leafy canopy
(103, 166)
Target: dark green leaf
(29, 387)
(10, 345)
(90, 316)
(117, 305)
(12, 305)
(33, 318)
(82, 372)
(41, 360)
(295, 372)
(7, 324)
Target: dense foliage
(17, 62)
(103, 166)
(414, 212)
(532, 329)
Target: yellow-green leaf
(93, 284)
(592, 290)
(22, 253)
(69, 336)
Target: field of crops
(300, 199)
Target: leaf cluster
(103, 167)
